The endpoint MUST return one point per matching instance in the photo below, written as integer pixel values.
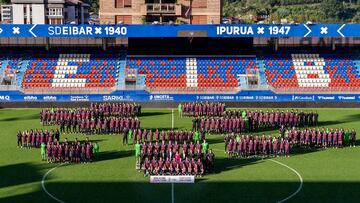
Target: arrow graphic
(339, 30)
(307, 27)
(31, 32)
(1, 30)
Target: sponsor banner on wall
(172, 179)
(127, 96)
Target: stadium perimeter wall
(262, 98)
(175, 104)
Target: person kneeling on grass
(147, 167)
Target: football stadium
(179, 101)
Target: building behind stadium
(160, 11)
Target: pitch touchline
(43, 184)
(300, 178)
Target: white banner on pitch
(172, 179)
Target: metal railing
(160, 8)
(191, 90)
(184, 90)
(316, 90)
(8, 88)
(72, 90)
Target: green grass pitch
(331, 175)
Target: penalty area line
(299, 176)
(43, 184)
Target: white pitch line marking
(300, 178)
(172, 193)
(172, 119)
(43, 184)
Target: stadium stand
(60, 70)
(314, 72)
(40, 71)
(192, 73)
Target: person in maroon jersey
(230, 148)
(264, 148)
(98, 126)
(212, 125)
(157, 135)
(307, 137)
(275, 147)
(54, 152)
(202, 124)
(191, 146)
(28, 139)
(256, 145)
(147, 168)
(169, 149)
(329, 138)
(139, 134)
(32, 137)
(190, 136)
(302, 137)
(313, 137)
(37, 139)
(111, 126)
(163, 134)
(183, 136)
(83, 154)
(250, 147)
(324, 138)
(318, 138)
(60, 152)
(287, 117)
(104, 126)
(176, 147)
(87, 126)
(42, 137)
(116, 125)
(287, 148)
(282, 146)
(137, 123)
(89, 152)
(245, 143)
(144, 134)
(291, 118)
(207, 124)
(335, 138)
(66, 153)
(184, 149)
(168, 135)
(176, 135)
(240, 152)
(149, 135)
(127, 123)
(163, 149)
(341, 138)
(121, 124)
(234, 149)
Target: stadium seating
(71, 70)
(59, 70)
(325, 72)
(199, 73)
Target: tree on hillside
(5, 1)
(333, 9)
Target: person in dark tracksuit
(125, 137)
